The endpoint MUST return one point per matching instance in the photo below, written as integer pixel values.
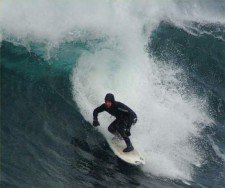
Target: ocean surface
(164, 59)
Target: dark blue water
(46, 140)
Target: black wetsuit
(124, 118)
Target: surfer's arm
(97, 111)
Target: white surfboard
(132, 157)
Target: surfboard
(132, 157)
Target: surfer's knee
(111, 129)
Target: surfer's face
(108, 104)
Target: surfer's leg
(113, 127)
(129, 145)
(126, 126)
(122, 131)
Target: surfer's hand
(95, 123)
(127, 132)
(134, 121)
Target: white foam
(56, 21)
(167, 118)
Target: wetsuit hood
(110, 97)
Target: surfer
(125, 117)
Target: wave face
(163, 59)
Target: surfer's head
(109, 100)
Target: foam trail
(119, 64)
(166, 119)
